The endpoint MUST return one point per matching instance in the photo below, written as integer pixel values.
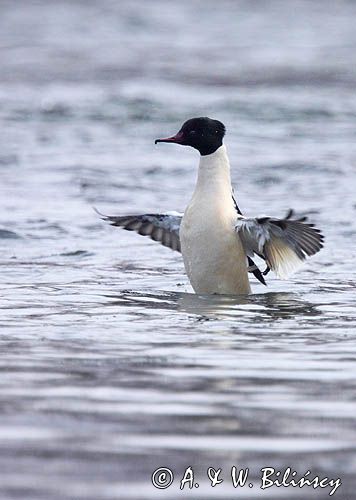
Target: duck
(217, 242)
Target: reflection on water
(110, 366)
(277, 305)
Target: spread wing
(283, 243)
(159, 227)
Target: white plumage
(213, 255)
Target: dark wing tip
(105, 217)
(101, 215)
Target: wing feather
(163, 228)
(283, 243)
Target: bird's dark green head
(204, 134)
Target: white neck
(213, 254)
(214, 173)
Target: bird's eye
(192, 132)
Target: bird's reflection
(275, 305)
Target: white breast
(213, 255)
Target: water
(110, 365)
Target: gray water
(110, 365)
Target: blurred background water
(110, 366)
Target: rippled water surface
(110, 365)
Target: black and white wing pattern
(159, 227)
(283, 243)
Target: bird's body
(213, 255)
(216, 241)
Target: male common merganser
(216, 241)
